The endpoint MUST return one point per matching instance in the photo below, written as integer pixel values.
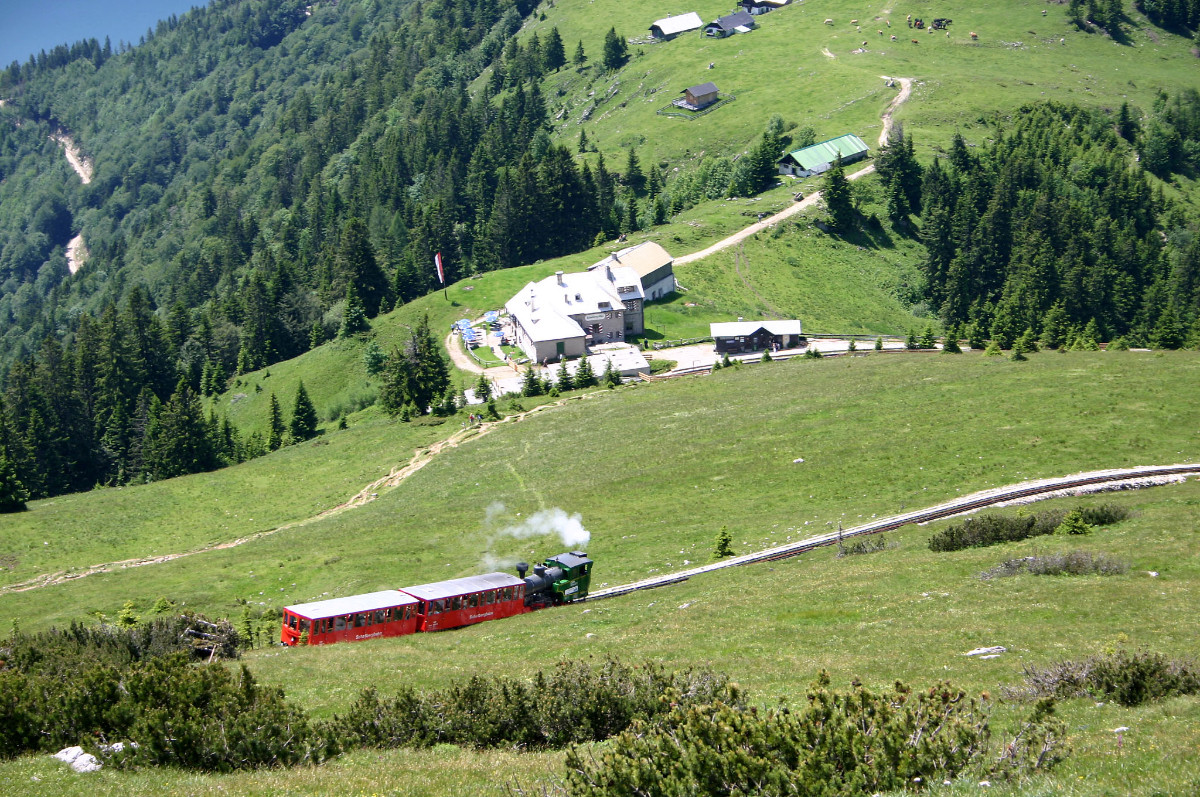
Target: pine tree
(616, 51)
(354, 318)
(531, 385)
(563, 379)
(879, 344)
(634, 178)
(611, 378)
(584, 375)
(910, 341)
(1169, 331)
(304, 417)
(580, 57)
(13, 494)
(928, 339)
(553, 54)
(724, 544)
(274, 424)
(839, 200)
(483, 388)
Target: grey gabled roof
(703, 88)
(335, 607)
(734, 20)
(463, 586)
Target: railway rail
(968, 503)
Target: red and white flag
(437, 261)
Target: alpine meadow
(272, 285)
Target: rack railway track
(1042, 488)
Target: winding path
(366, 495)
(812, 199)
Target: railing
(667, 344)
(666, 110)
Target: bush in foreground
(577, 702)
(840, 743)
(1128, 678)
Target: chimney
(608, 270)
(521, 568)
(559, 274)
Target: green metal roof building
(820, 157)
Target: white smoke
(543, 523)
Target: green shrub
(577, 702)
(840, 743)
(183, 715)
(1074, 523)
(1129, 679)
(984, 530)
(1071, 563)
(864, 545)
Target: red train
(438, 606)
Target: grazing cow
(858, 28)
(893, 38)
(879, 32)
(829, 22)
(974, 35)
(914, 41)
(854, 22)
(864, 44)
(889, 23)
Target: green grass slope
(1020, 56)
(876, 433)
(667, 464)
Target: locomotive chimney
(521, 568)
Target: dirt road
(813, 198)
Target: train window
(455, 604)
(489, 596)
(472, 601)
(303, 625)
(379, 616)
(291, 621)
(358, 620)
(339, 624)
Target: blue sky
(27, 26)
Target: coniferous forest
(270, 175)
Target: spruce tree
(563, 377)
(584, 375)
(611, 378)
(616, 51)
(839, 199)
(274, 424)
(928, 339)
(13, 494)
(580, 57)
(483, 388)
(554, 56)
(304, 417)
(354, 318)
(531, 385)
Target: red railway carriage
(463, 601)
(350, 619)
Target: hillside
(876, 434)
(260, 172)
